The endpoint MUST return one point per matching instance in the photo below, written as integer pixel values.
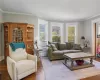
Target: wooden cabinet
(18, 32)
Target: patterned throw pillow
(54, 47)
(69, 45)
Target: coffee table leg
(72, 63)
(65, 60)
(91, 60)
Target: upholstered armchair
(20, 64)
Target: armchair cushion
(25, 65)
(18, 54)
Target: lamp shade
(82, 37)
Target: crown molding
(94, 16)
(16, 13)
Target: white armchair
(20, 64)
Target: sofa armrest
(11, 67)
(34, 58)
(50, 53)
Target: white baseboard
(1, 58)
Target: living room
(50, 33)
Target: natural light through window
(71, 34)
(56, 34)
(42, 32)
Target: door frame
(93, 32)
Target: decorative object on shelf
(79, 62)
(86, 43)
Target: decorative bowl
(79, 62)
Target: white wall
(8, 17)
(1, 16)
(1, 20)
(80, 30)
(89, 32)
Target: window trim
(44, 22)
(76, 31)
(61, 29)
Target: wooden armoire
(18, 32)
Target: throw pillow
(54, 47)
(69, 45)
(56, 44)
(76, 46)
(62, 46)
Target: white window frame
(61, 29)
(40, 21)
(76, 31)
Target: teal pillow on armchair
(15, 46)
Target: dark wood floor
(39, 75)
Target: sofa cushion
(58, 52)
(25, 65)
(69, 45)
(71, 51)
(76, 47)
(54, 47)
(56, 44)
(62, 46)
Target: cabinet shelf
(29, 40)
(29, 27)
(29, 31)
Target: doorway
(97, 39)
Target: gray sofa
(62, 49)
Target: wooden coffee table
(70, 59)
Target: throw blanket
(15, 46)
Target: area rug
(56, 70)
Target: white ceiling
(68, 10)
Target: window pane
(42, 32)
(71, 34)
(56, 34)
(56, 38)
(55, 30)
(71, 38)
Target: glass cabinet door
(17, 35)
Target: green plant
(56, 38)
